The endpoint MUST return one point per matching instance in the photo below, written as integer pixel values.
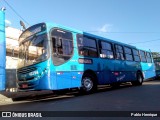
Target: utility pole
(2, 50)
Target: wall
(12, 36)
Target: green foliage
(156, 55)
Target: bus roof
(50, 25)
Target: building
(12, 35)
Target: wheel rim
(140, 79)
(87, 83)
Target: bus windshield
(32, 50)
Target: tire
(139, 80)
(89, 84)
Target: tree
(156, 55)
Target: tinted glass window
(119, 48)
(106, 50)
(148, 55)
(119, 52)
(149, 58)
(135, 52)
(86, 46)
(62, 43)
(143, 57)
(142, 53)
(88, 42)
(127, 50)
(136, 55)
(128, 53)
(106, 46)
(129, 57)
(137, 58)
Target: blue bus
(56, 57)
(157, 64)
(2, 50)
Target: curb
(16, 97)
(5, 100)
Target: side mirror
(23, 25)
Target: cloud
(105, 28)
(8, 22)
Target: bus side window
(87, 46)
(57, 46)
(81, 49)
(106, 50)
(128, 53)
(143, 56)
(149, 58)
(136, 55)
(83, 52)
(119, 52)
(62, 45)
(54, 44)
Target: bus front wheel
(88, 84)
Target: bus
(2, 50)
(56, 57)
(157, 65)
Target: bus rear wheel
(88, 84)
(139, 80)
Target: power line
(145, 41)
(125, 32)
(131, 32)
(16, 12)
(89, 31)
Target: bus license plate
(24, 85)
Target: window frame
(136, 55)
(151, 61)
(84, 46)
(100, 49)
(119, 52)
(143, 56)
(126, 53)
(51, 36)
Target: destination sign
(85, 61)
(32, 30)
